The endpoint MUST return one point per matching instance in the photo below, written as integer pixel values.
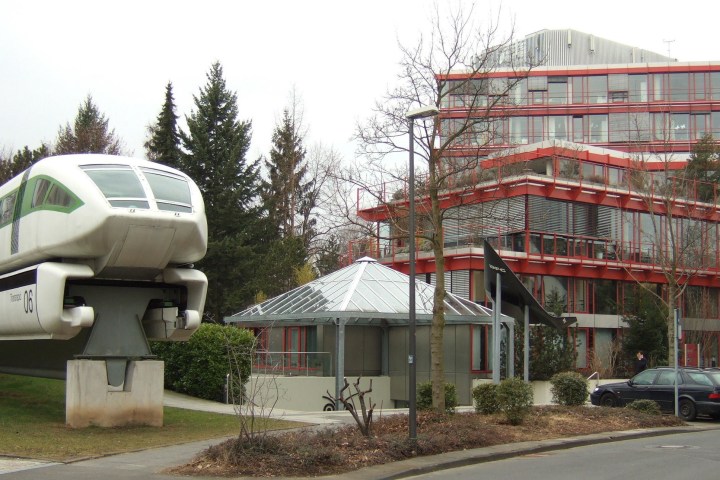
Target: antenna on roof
(668, 46)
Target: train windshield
(119, 184)
(171, 192)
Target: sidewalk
(147, 464)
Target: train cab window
(41, 188)
(8, 206)
(58, 196)
(49, 193)
(171, 191)
(119, 184)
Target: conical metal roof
(365, 291)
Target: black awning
(514, 294)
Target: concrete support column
(91, 400)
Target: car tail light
(714, 396)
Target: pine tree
(284, 194)
(163, 146)
(89, 134)
(216, 146)
(10, 167)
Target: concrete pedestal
(90, 400)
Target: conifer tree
(10, 167)
(215, 149)
(216, 146)
(90, 133)
(163, 146)
(284, 192)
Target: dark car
(698, 391)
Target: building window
(597, 89)
(699, 85)
(557, 90)
(537, 133)
(658, 87)
(638, 86)
(518, 130)
(605, 296)
(618, 97)
(519, 91)
(597, 129)
(700, 125)
(295, 346)
(578, 133)
(715, 121)
(679, 126)
(481, 348)
(715, 85)
(577, 90)
(557, 127)
(679, 87)
(582, 337)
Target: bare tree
(673, 230)
(455, 44)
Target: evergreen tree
(704, 165)
(215, 147)
(163, 146)
(89, 134)
(10, 167)
(285, 194)
(329, 256)
(646, 332)
(283, 258)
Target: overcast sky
(339, 56)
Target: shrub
(424, 397)
(646, 406)
(515, 398)
(569, 388)
(485, 397)
(198, 367)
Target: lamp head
(422, 112)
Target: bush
(485, 397)
(569, 388)
(198, 367)
(515, 398)
(424, 397)
(646, 406)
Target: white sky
(340, 56)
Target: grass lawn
(32, 425)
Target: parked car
(698, 391)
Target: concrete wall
(89, 400)
(305, 393)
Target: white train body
(88, 236)
(123, 217)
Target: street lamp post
(412, 115)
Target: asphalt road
(688, 455)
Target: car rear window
(714, 376)
(700, 378)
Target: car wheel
(609, 400)
(686, 410)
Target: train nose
(143, 248)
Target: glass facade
(541, 95)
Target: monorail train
(98, 246)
